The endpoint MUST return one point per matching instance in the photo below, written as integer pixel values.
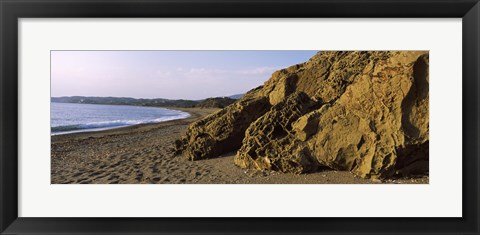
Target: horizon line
(227, 96)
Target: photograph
(239, 117)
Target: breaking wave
(116, 123)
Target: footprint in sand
(95, 173)
(78, 174)
(113, 177)
(139, 176)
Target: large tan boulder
(379, 121)
(364, 112)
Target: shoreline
(92, 130)
(194, 114)
(144, 154)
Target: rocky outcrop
(270, 138)
(223, 131)
(364, 112)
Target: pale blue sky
(165, 74)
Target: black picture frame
(12, 10)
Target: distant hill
(218, 102)
(236, 97)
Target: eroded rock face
(365, 112)
(270, 138)
(223, 131)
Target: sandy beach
(144, 154)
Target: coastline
(102, 129)
(195, 113)
(144, 154)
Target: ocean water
(69, 118)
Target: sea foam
(78, 120)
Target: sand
(144, 154)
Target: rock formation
(223, 131)
(364, 112)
